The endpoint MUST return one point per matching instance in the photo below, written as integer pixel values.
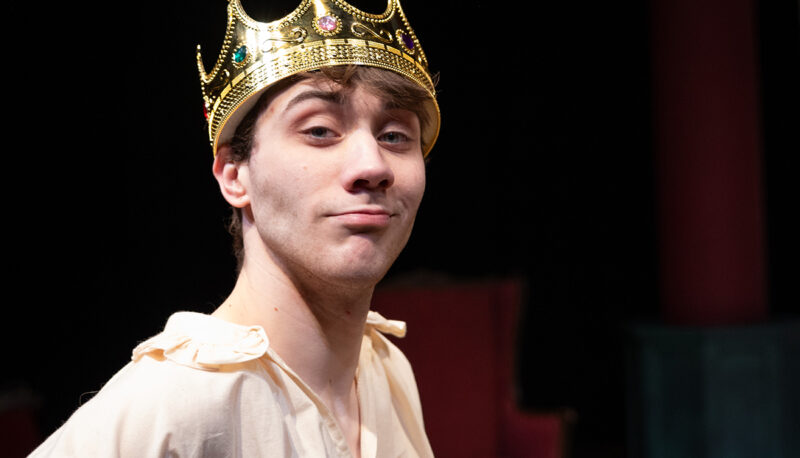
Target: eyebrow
(334, 97)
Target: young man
(319, 147)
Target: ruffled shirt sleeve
(198, 341)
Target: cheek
(286, 193)
(272, 188)
(415, 183)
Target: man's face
(334, 182)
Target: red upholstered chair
(461, 344)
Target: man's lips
(367, 217)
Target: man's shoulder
(176, 394)
(384, 352)
(197, 368)
(197, 364)
(151, 406)
(153, 382)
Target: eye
(319, 135)
(319, 132)
(393, 137)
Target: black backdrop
(543, 170)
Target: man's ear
(232, 177)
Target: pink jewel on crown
(328, 23)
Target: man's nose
(366, 167)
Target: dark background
(543, 171)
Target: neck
(316, 328)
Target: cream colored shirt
(205, 387)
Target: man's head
(397, 92)
(354, 178)
(326, 172)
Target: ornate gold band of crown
(318, 33)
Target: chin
(364, 270)
(364, 274)
(360, 261)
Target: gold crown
(318, 33)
